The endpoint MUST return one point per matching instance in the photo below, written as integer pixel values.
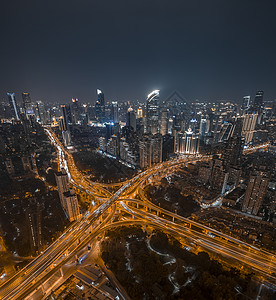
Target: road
(79, 234)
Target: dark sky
(208, 50)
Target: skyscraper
(152, 113)
(13, 105)
(164, 121)
(27, 104)
(114, 112)
(258, 103)
(131, 119)
(255, 192)
(188, 143)
(67, 195)
(245, 103)
(100, 106)
(71, 205)
(248, 126)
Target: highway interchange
(99, 218)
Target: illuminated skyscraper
(100, 106)
(258, 103)
(13, 105)
(245, 103)
(27, 104)
(188, 143)
(73, 112)
(152, 113)
(248, 126)
(114, 112)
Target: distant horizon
(18, 96)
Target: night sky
(204, 49)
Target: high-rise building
(248, 126)
(71, 205)
(100, 107)
(62, 181)
(114, 112)
(245, 103)
(67, 196)
(258, 103)
(255, 192)
(152, 113)
(65, 115)
(139, 113)
(27, 104)
(145, 149)
(188, 143)
(41, 112)
(74, 112)
(156, 144)
(131, 119)
(204, 127)
(164, 121)
(13, 105)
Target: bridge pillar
(137, 205)
(90, 228)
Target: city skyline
(207, 52)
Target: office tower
(73, 112)
(139, 113)
(114, 112)
(102, 144)
(41, 112)
(226, 131)
(61, 124)
(255, 192)
(65, 110)
(100, 106)
(113, 146)
(13, 106)
(152, 113)
(204, 127)
(156, 153)
(71, 205)
(258, 106)
(62, 181)
(245, 103)
(27, 104)
(248, 127)
(164, 121)
(188, 143)
(67, 196)
(258, 103)
(131, 120)
(145, 150)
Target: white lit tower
(152, 113)
(13, 105)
